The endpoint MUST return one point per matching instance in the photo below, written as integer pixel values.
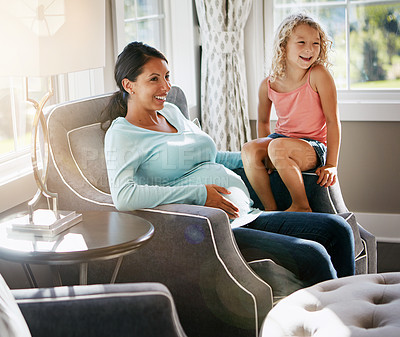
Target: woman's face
(303, 47)
(152, 85)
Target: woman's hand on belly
(217, 200)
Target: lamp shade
(49, 37)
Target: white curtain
(224, 104)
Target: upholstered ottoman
(361, 305)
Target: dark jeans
(314, 246)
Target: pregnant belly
(213, 173)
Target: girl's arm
(264, 110)
(326, 89)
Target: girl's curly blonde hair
(278, 66)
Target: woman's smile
(161, 98)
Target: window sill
(18, 190)
(365, 111)
(369, 111)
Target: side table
(99, 236)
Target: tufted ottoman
(362, 305)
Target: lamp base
(44, 222)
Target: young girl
(307, 133)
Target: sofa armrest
(145, 309)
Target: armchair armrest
(195, 254)
(226, 249)
(145, 309)
(371, 250)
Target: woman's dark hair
(129, 65)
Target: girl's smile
(303, 46)
(306, 58)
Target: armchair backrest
(77, 168)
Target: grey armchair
(330, 200)
(140, 309)
(193, 252)
(326, 200)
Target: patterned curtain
(224, 105)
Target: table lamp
(43, 38)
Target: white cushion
(12, 323)
(355, 306)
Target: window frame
(181, 46)
(354, 104)
(16, 172)
(66, 87)
(119, 24)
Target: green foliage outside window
(370, 58)
(375, 44)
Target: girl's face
(303, 47)
(152, 85)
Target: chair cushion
(361, 305)
(86, 145)
(86, 139)
(12, 323)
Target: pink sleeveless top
(299, 112)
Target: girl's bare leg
(255, 157)
(290, 157)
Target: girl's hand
(327, 175)
(217, 200)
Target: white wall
(385, 227)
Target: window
(144, 21)
(140, 20)
(167, 25)
(16, 118)
(366, 39)
(17, 113)
(16, 123)
(353, 25)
